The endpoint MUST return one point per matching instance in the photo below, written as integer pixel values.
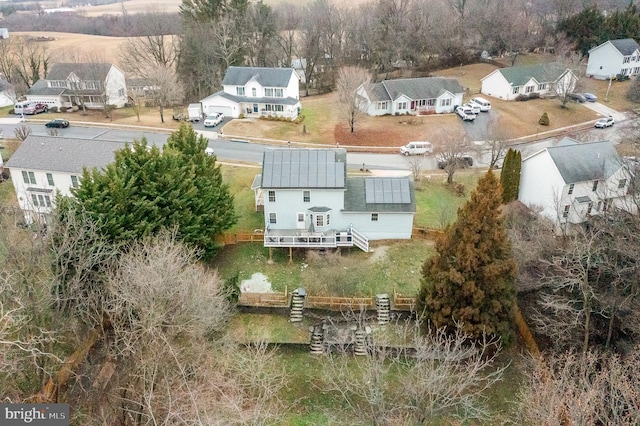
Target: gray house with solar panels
(309, 201)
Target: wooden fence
(331, 303)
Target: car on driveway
(474, 107)
(465, 113)
(578, 97)
(58, 123)
(213, 120)
(590, 97)
(605, 122)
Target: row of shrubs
(528, 97)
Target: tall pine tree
(510, 176)
(470, 280)
(146, 190)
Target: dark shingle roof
(542, 73)
(262, 100)
(413, 88)
(267, 77)
(580, 162)
(40, 88)
(626, 46)
(396, 195)
(304, 168)
(60, 154)
(91, 72)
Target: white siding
(605, 61)
(389, 226)
(116, 88)
(541, 184)
(496, 85)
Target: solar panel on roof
(387, 191)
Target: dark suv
(463, 162)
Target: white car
(474, 107)
(465, 113)
(213, 119)
(209, 151)
(605, 122)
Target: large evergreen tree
(471, 278)
(146, 190)
(510, 175)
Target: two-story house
(89, 85)
(572, 181)
(256, 92)
(428, 95)
(309, 201)
(509, 83)
(613, 58)
(44, 166)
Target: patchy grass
(239, 180)
(247, 328)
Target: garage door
(226, 110)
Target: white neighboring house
(44, 166)
(573, 180)
(428, 95)
(256, 92)
(543, 79)
(614, 57)
(71, 84)
(4, 33)
(309, 201)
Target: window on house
(41, 200)
(622, 183)
(542, 86)
(382, 105)
(279, 93)
(633, 59)
(328, 219)
(268, 92)
(47, 200)
(300, 217)
(529, 89)
(516, 90)
(240, 91)
(272, 196)
(306, 196)
(120, 92)
(29, 178)
(589, 208)
(74, 181)
(595, 186)
(402, 105)
(565, 212)
(626, 60)
(272, 218)
(319, 220)
(254, 93)
(34, 199)
(50, 179)
(571, 186)
(607, 204)
(374, 217)
(445, 102)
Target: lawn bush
(544, 120)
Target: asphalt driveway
(605, 110)
(478, 129)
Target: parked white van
(417, 148)
(24, 107)
(485, 105)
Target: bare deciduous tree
(450, 151)
(444, 375)
(22, 132)
(591, 388)
(350, 79)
